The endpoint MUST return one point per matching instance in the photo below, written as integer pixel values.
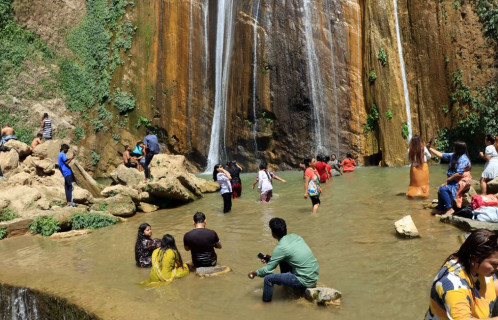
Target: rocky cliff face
(280, 80)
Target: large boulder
(43, 166)
(84, 180)
(469, 224)
(406, 228)
(127, 176)
(22, 198)
(49, 149)
(9, 160)
(170, 189)
(112, 191)
(16, 227)
(23, 149)
(120, 206)
(492, 186)
(82, 196)
(21, 178)
(147, 207)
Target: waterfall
(315, 78)
(190, 77)
(254, 75)
(403, 72)
(358, 95)
(217, 146)
(205, 10)
(334, 84)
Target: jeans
(148, 159)
(444, 196)
(227, 202)
(286, 279)
(68, 188)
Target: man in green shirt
(292, 251)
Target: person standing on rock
(64, 162)
(298, 266)
(46, 125)
(202, 241)
(151, 145)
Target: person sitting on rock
(167, 263)
(8, 133)
(202, 241)
(36, 141)
(127, 158)
(63, 162)
(299, 267)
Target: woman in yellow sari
(167, 263)
(419, 170)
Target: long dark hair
(140, 237)
(215, 171)
(416, 151)
(168, 242)
(307, 162)
(490, 138)
(479, 245)
(460, 150)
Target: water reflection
(352, 236)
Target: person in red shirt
(321, 167)
(348, 163)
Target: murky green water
(353, 238)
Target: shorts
(315, 200)
(266, 197)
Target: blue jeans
(286, 279)
(444, 197)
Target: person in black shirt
(236, 182)
(201, 242)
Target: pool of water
(380, 275)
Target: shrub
(124, 101)
(7, 214)
(95, 158)
(389, 114)
(372, 119)
(143, 121)
(91, 221)
(44, 225)
(3, 232)
(404, 131)
(488, 16)
(372, 77)
(382, 57)
(79, 133)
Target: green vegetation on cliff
(474, 115)
(488, 16)
(3, 232)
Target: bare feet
(449, 213)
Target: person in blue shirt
(63, 162)
(459, 164)
(151, 148)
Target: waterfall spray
(255, 75)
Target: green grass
(91, 221)
(44, 225)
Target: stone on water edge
(127, 176)
(323, 295)
(469, 224)
(70, 234)
(147, 207)
(406, 228)
(211, 271)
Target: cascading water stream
(317, 89)
(255, 75)
(205, 12)
(217, 146)
(190, 76)
(358, 95)
(403, 72)
(334, 84)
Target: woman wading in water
(466, 285)
(145, 245)
(312, 183)
(419, 170)
(223, 178)
(167, 263)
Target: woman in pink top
(312, 183)
(348, 163)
